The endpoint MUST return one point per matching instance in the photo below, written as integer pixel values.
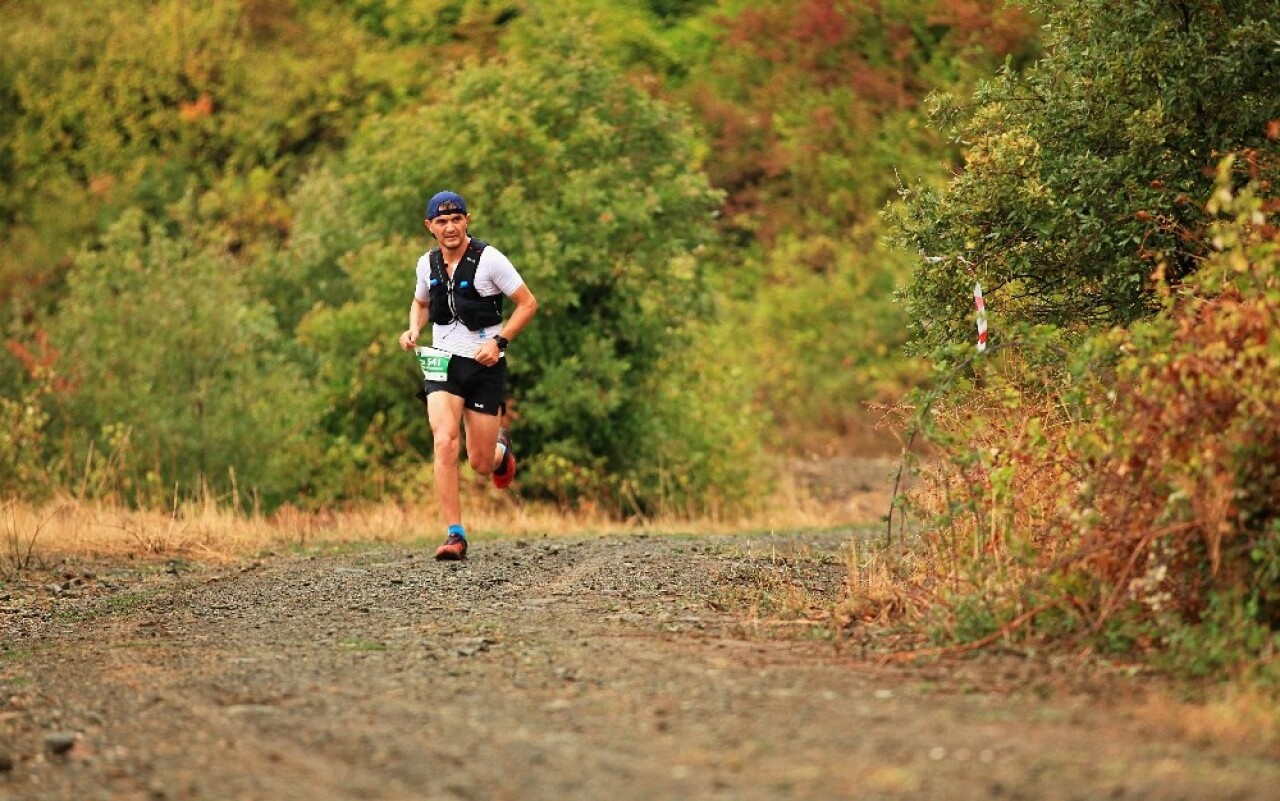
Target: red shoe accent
(502, 479)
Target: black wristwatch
(502, 342)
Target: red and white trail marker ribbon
(982, 317)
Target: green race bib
(434, 363)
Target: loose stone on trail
(60, 742)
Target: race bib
(434, 363)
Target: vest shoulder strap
(436, 258)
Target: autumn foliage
(807, 102)
(1136, 509)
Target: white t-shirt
(494, 274)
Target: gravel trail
(619, 667)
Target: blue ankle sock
(456, 529)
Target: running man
(461, 284)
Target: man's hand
(488, 354)
(408, 339)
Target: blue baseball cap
(445, 203)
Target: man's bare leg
(445, 413)
(482, 441)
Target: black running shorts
(482, 389)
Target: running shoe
(506, 471)
(454, 548)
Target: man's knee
(482, 463)
(446, 443)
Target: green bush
(593, 189)
(1129, 501)
(1086, 170)
(25, 451)
(165, 344)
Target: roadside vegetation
(755, 230)
(1108, 469)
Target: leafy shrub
(24, 420)
(1130, 500)
(592, 188)
(1086, 170)
(1185, 465)
(179, 365)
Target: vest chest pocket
(434, 363)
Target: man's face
(450, 230)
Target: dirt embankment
(618, 667)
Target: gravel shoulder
(611, 667)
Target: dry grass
(882, 584)
(1241, 718)
(214, 531)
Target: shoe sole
(503, 481)
(450, 555)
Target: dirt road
(609, 668)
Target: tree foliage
(811, 105)
(1110, 473)
(287, 145)
(178, 373)
(826, 338)
(591, 188)
(136, 104)
(813, 108)
(1086, 170)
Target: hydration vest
(457, 299)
